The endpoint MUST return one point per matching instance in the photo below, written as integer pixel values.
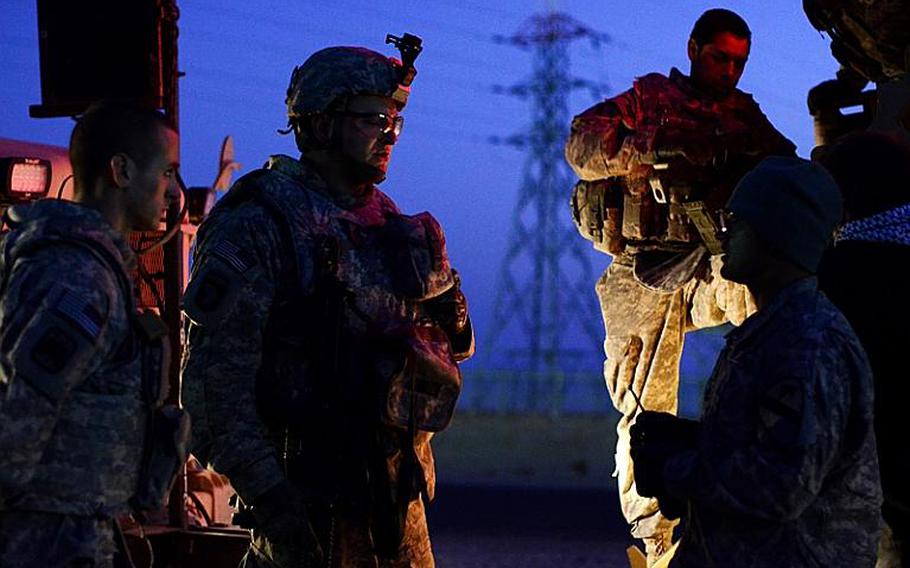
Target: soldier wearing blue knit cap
(782, 468)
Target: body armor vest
(90, 464)
(349, 296)
(654, 207)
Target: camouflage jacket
(621, 138)
(72, 417)
(253, 367)
(869, 36)
(785, 470)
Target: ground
(497, 527)
(527, 491)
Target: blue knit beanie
(793, 204)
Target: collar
(370, 209)
(69, 218)
(684, 83)
(891, 226)
(758, 320)
(305, 173)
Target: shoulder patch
(52, 354)
(81, 313)
(235, 257)
(211, 293)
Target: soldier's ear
(322, 125)
(120, 168)
(692, 49)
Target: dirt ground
(498, 527)
(527, 491)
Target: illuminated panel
(25, 178)
(153, 263)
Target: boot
(656, 546)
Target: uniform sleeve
(228, 302)
(802, 416)
(54, 332)
(600, 143)
(770, 140)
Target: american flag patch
(80, 312)
(239, 259)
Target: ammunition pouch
(167, 432)
(667, 271)
(597, 209)
(418, 379)
(390, 500)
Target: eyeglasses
(379, 121)
(726, 220)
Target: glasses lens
(726, 221)
(397, 125)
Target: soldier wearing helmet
(324, 331)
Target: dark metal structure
(545, 316)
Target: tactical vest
(348, 300)
(90, 464)
(654, 212)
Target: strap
(123, 558)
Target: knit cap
(794, 205)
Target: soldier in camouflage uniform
(306, 280)
(782, 470)
(656, 162)
(72, 416)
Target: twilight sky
(238, 57)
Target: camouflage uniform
(252, 379)
(869, 36)
(611, 147)
(71, 413)
(785, 471)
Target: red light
(24, 178)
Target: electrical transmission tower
(546, 318)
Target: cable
(152, 284)
(198, 502)
(62, 185)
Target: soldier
(324, 328)
(657, 161)
(72, 414)
(858, 274)
(782, 469)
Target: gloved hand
(449, 309)
(281, 516)
(655, 438)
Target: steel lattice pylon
(546, 292)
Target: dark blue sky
(238, 57)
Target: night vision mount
(410, 47)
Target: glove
(664, 428)
(655, 438)
(449, 309)
(281, 517)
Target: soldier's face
(154, 185)
(367, 130)
(745, 254)
(717, 66)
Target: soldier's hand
(668, 146)
(662, 428)
(449, 309)
(281, 516)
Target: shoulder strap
(249, 188)
(7, 258)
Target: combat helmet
(338, 71)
